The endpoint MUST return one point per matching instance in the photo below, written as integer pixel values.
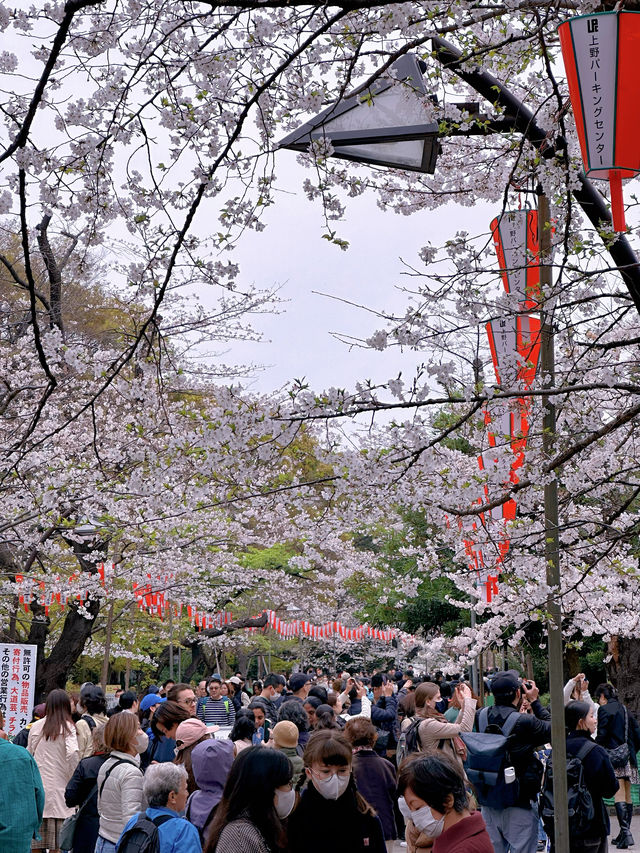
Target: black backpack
(581, 809)
(143, 836)
(408, 741)
(89, 721)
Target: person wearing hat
(515, 828)
(299, 685)
(148, 706)
(284, 736)
(217, 710)
(188, 735)
(94, 704)
(211, 761)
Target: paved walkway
(635, 831)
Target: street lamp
(386, 124)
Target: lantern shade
(600, 53)
(514, 341)
(515, 236)
(389, 124)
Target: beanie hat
(285, 733)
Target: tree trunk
(624, 670)
(76, 630)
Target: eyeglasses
(190, 701)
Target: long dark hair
(250, 788)
(574, 712)
(57, 713)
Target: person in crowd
(119, 780)
(435, 804)
(94, 707)
(256, 688)
(165, 791)
(22, 738)
(384, 709)
(361, 707)
(262, 724)
(243, 731)
(257, 797)
(268, 696)
(183, 695)
(128, 701)
(224, 689)
(326, 718)
(330, 799)
(295, 713)
(311, 705)
(516, 827)
(320, 692)
(577, 688)
(189, 734)
(82, 791)
(285, 738)
(211, 762)
(217, 710)
(54, 745)
(148, 706)
(166, 687)
(375, 776)
(164, 725)
(617, 726)
(299, 685)
(23, 798)
(406, 709)
(201, 689)
(234, 692)
(434, 732)
(599, 776)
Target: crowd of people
(228, 767)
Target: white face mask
(425, 822)
(333, 787)
(405, 811)
(142, 742)
(284, 803)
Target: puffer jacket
(121, 795)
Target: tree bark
(624, 670)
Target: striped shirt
(217, 712)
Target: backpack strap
(483, 719)
(509, 724)
(89, 721)
(163, 818)
(585, 749)
(108, 773)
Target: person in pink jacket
(433, 796)
(54, 746)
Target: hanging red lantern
(600, 53)
(515, 236)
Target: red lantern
(515, 235)
(516, 334)
(600, 53)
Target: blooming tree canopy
(128, 128)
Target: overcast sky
(291, 253)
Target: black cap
(298, 681)
(505, 682)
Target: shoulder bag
(619, 756)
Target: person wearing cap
(94, 703)
(211, 761)
(284, 736)
(217, 710)
(299, 685)
(384, 713)
(147, 708)
(188, 735)
(268, 695)
(515, 828)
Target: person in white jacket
(578, 688)
(119, 780)
(54, 746)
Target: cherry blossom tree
(129, 126)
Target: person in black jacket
(598, 775)
(375, 776)
(615, 726)
(83, 788)
(515, 828)
(384, 715)
(330, 802)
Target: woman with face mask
(330, 799)
(434, 802)
(258, 796)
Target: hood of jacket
(211, 762)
